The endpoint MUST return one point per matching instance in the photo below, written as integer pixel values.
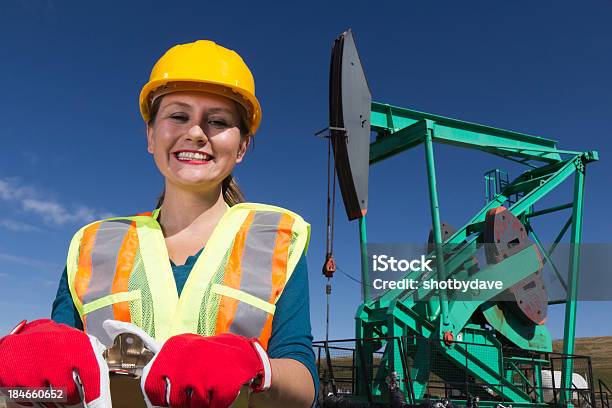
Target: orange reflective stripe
(279, 270)
(233, 273)
(280, 256)
(125, 263)
(83, 275)
(147, 213)
(266, 333)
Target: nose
(197, 135)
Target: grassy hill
(600, 351)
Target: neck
(184, 209)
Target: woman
(223, 284)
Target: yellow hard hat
(206, 66)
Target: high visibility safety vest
(119, 269)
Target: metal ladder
(496, 181)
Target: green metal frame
(403, 312)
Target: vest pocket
(247, 317)
(101, 309)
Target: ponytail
(231, 192)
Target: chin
(195, 183)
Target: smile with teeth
(193, 156)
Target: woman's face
(195, 139)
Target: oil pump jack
(483, 351)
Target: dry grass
(600, 351)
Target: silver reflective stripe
(104, 253)
(94, 324)
(248, 321)
(256, 277)
(107, 244)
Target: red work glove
(43, 353)
(195, 371)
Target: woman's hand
(195, 371)
(46, 354)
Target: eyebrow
(220, 110)
(182, 104)
(188, 106)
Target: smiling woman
(219, 286)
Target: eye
(179, 117)
(217, 123)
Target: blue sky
(73, 144)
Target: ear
(150, 140)
(244, 144)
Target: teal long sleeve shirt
(291, 331)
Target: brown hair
(229, 187)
